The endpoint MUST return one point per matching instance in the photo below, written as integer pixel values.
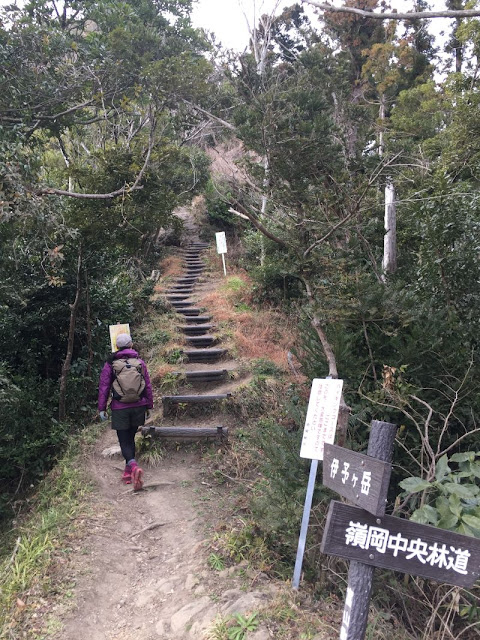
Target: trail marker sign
(320, 426)
(221, 242)
(322, 414)
(359, 478)
(221, 239)
(401, 545)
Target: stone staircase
(201, 347)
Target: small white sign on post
(320, 426)
(222, 247)
(321, 420)
(221, 242)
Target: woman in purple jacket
(126, 416)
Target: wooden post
(360, 576)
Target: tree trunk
(264, 207)
(71, 334)
(89, 328)
(390, 238)
(344, 411)
(389, 263)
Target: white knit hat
(123, 340)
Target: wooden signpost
(362, 533)
(360, 479)
(370, 539)
(401, 545)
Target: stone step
(188, 311)
(207, 375)
(182, 303)
(178, 297)
(187, 280)
(191, 399)
(191, 433)
(195, 329)
(200, 341)
(198, 319)
(184, 291)
(204, 355)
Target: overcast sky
(226, 18)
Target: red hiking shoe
(127, 475)
(137, 477)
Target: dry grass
(263, 333)
(160, 371)
(170, 267)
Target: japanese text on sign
(401, 545)
(321, 420)
(365, 480)
(440, 555)
(359, 478)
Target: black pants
(126, 438)
(126, 423)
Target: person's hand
(148, 413)
(103, 416)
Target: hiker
(125, 377)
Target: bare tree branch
(258, 225)
(224, 123)
(414, 15)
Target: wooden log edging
(195, 329)
(193, 319)
(218, 433)
(204, 355)
(203, 399)
(203, 376)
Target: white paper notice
(321, 420)
(221, 242)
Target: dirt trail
(142, 572)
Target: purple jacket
(106, 380)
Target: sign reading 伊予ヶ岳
(401, 545)
(322, 414)
(361, 479)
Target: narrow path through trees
(143, 570)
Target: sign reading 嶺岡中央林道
(401, 545)
(322, 414)
(221, 242)
(361, 479)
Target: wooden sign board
(360, 479)
(401, 545)
(322, 414)
(221, 239)
(114, 330)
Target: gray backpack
(129, 382)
